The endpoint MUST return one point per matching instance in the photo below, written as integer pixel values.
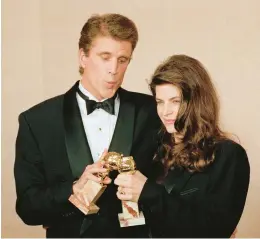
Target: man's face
(105, 66)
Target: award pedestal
(131, 215)
(91, 193)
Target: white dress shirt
(99, 125)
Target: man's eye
(122, 60)
(105, 57)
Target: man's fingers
(93, 177)
(93, 172)
(96, 170)
(107, 180)
(98, 164)
(103, 155)
(80, 197)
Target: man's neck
(84, 89)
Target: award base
(86, 209)
(91, 193)
(131, 215)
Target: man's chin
(109, 93)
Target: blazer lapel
(176, 180)
(78, 150)
(124, 130)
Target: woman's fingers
(124, 197)
(124, 180)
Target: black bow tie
(107, 105)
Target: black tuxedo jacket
(203, 204)
(52, 151)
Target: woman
(199, 180)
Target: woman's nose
(167, 110)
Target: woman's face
(168, 98)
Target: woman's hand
(130, 186)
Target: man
(61, 139)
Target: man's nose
(113, 67)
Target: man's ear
(82, 58)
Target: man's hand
(91, 172)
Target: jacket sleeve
(216, 214)
(38, 203)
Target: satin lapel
(124, 130)
(176, 179)
(76, 142)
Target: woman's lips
(169, 121)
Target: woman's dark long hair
(197, 122)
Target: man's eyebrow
(123, 56)
(104, 53)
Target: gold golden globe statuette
(92, 190)
(130, 215)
